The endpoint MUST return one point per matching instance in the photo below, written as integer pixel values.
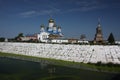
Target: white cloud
(45, 12)
(89, 5)
(39, 12)
(28, 13)
(79, 5)
(86, 5)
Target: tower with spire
(98, 36)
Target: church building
(49, 33)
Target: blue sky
(76, 17)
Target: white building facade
(52, 28)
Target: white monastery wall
(76, 53)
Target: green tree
(2, 39)
(82, 37)
(111, 39)
(19, 35)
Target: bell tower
(98, 36)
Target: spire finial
(50, 16)
(99, 25)
(98, 20)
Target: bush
(2, 39)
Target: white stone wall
(59, 41)
(76, 53)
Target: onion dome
(59, 29)
(51, 20)
(42, 28)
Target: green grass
(90, 66)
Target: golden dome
(51, 20)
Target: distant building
(59, 41)
(51, 32)
(6, 40)
(83, 42)
(30, 37)
(98, 36)
(117, 42)
(72, 40)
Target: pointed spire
(50, 16)
(99, 22)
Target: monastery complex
(53, 34)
